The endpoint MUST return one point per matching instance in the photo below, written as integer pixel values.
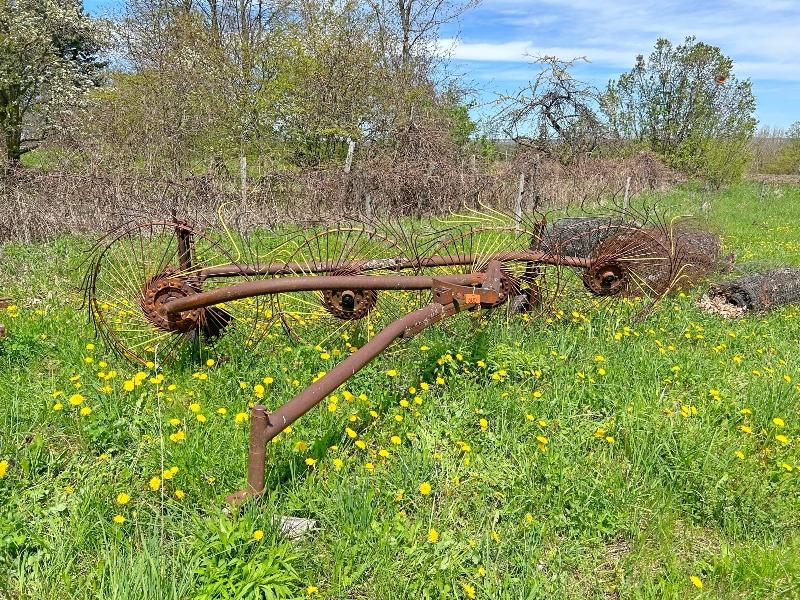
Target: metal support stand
(256, 456)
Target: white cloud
(522, 51)
(761, 37)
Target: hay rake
(156, 287)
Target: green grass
(579, 484)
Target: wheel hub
(160, 290)
(349, 305)
(605, 278)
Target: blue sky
(489, 47)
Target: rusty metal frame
(486, 287)
(451, 294)
(450, 297)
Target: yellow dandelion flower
(782, 438)
(338, 463)
(180, 494)
(424, 488)
(3, 468)
(240, 417)
(696, 582)
(258, 535)
(395, 439)
(119, 519)
(155, 483)
(433, 535)
(778, 422)
(76, 399)
(123, 498)
(392, 372)
(85, 411)
(311, 461)
(58, 406)
(469, 590)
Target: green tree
(788, 159)
(48, 61)
(684, 103)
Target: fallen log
(756, 292)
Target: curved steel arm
(249, 289)
(265, 426)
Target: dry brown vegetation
(41, 205)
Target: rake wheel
(633, 262)
(343, 250)
(528, 287)
(135, 270)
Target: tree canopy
(685, 103)
(48, 61)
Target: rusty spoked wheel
(354, 315)
(528, 288)
(633, 262)
(137, 269)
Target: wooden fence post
(518, 203)
(348, 163)
(626, 200)
(243, 177)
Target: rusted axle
(391, 264)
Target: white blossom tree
(48, 61)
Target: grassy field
(582, 458)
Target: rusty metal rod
(392, 264)
(257, 453)
(263, 287)
(312, 395)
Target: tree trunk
(11, 124)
